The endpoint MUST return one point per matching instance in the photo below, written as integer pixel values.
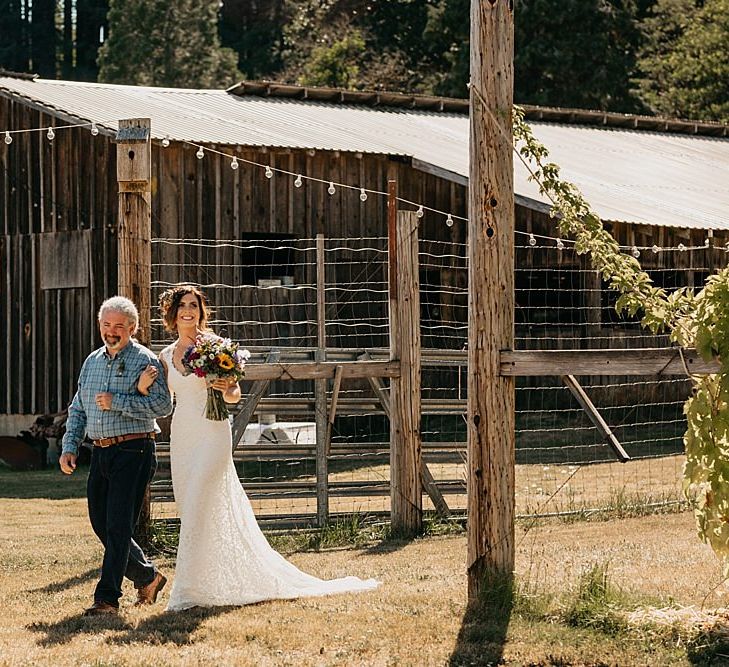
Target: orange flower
(225, 362)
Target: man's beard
(112, 342)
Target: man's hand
(67, 462)
(103, 400)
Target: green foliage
(158, 43)
(685, 60)
(700, 321)
(560, 42)
(336, 65)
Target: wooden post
(406, 490)
(134, 175)
(490, 296)
(320, 391)
(134, 251)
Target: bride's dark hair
(169, 304)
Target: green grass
(51, 484)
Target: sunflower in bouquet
(214, 358)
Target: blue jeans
(118, 478)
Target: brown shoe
(148, 594)
(101, 608)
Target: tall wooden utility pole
(134, 176)
(490, 295)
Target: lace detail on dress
(223, 558)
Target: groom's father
(121, 422)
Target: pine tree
(685, 60)
(162, 43)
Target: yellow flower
(225, 362)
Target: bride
(223, 557)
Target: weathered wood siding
(53, 195)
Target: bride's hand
(229, 388)
(147, 379)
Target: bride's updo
(169, 304)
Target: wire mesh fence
(265, 296)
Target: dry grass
(49, 561)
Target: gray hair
(120, 304)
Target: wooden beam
(406, 489)
(646, 361)
(491, 421)
(320, 391)
(259, 388)
(333, 407)
(600, 424)
(313, 370)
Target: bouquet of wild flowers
(214, 358)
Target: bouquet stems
(215, 408)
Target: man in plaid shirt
(121, 421)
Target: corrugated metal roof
(636, 176)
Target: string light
(331, 189)
(420, 213)
(51, 134)
(707, 242)
(269, 172)
(8, 138)
(166, 142)
(298, 181)
(635, 252)
(234, 163)
(200, 153)
(560, 244)
(94, 129)
(655, 249)
(449, 220)
(681, 247)
(362, 194)
(532, 240)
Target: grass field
(576, 585)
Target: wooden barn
(654, 182)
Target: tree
(576, 53)
(254, 30)
(90, 24)
(14, 43)
(161, 43)
(685, 60)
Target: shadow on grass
(482, 636)
(58, 586)
(174, 627)
(63, 631)
(709, 653)
(51, 484)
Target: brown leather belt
(115, 440)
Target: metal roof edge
(52, 110)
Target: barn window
(268, 259)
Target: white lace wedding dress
(223, 558)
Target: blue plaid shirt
(131, 412)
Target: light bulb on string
(707, 242)
(681, 247)
(51, 134)
(234, 163)
(200, 153)
(298, 181)
(331, 189)
(449, 220)
(655, 249)
(166, 142)
(94, 129)
(532, 240)
(269, 172)
(635, 252)
(362, 194)
(8, 138)
(560, 244)
(420, 213)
